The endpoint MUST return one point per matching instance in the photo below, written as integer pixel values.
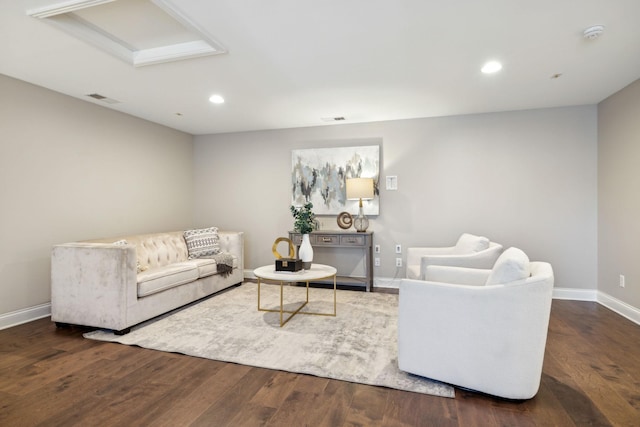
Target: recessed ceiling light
(491, 67)
(217, 99)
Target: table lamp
(358, 189)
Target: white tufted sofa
(115, 286)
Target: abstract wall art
(318, 176)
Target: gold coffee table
(316, 272)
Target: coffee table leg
(281, 302)
(281, 310)
(335, 311)
(259, 294)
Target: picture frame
(318, 175)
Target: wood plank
(367, 406)
(304, 402)
(338, 396)
(187, 408)
(414, 409)
(276, 390)
(223, 410)
(586, 371)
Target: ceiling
(293, 63)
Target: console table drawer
(354, 240)
(337, 241)
(326, 239)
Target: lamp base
(361, 223)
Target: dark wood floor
(56, 378)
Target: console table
(344, 239)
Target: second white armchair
(478, 329)
(470, 251)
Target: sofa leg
(123, 331)
(62, 325)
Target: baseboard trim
(622, 308)
(25, 315)
(575, 294)
(386, 282)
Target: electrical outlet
(622, 281)
(398, 249)
(376, 262)
(376, 248)
(398, 262)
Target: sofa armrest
(233, 243)
(92, 284)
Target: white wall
(71, 170)
(619, 194)
(525, 179)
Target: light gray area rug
(359, 345)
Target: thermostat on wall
(392, 182)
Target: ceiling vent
(103, 98)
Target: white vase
(305, 252)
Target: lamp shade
(359, 188)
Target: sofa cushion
(208, 266)
(202, 242)
(469, 243)
(162, 278)
(511, 265)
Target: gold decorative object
(274, 249)
(345, 220)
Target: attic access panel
(140, 32)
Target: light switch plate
(392, 182)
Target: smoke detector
(594, 32)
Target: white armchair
(484, 330)
(470, 251)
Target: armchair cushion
(511, 265)
(459, 275)
(469, 243)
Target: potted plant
(304, 218)
(304, 223)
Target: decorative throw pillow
(139, 267)
(511, 265)
(469, 243)
(203, 242)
